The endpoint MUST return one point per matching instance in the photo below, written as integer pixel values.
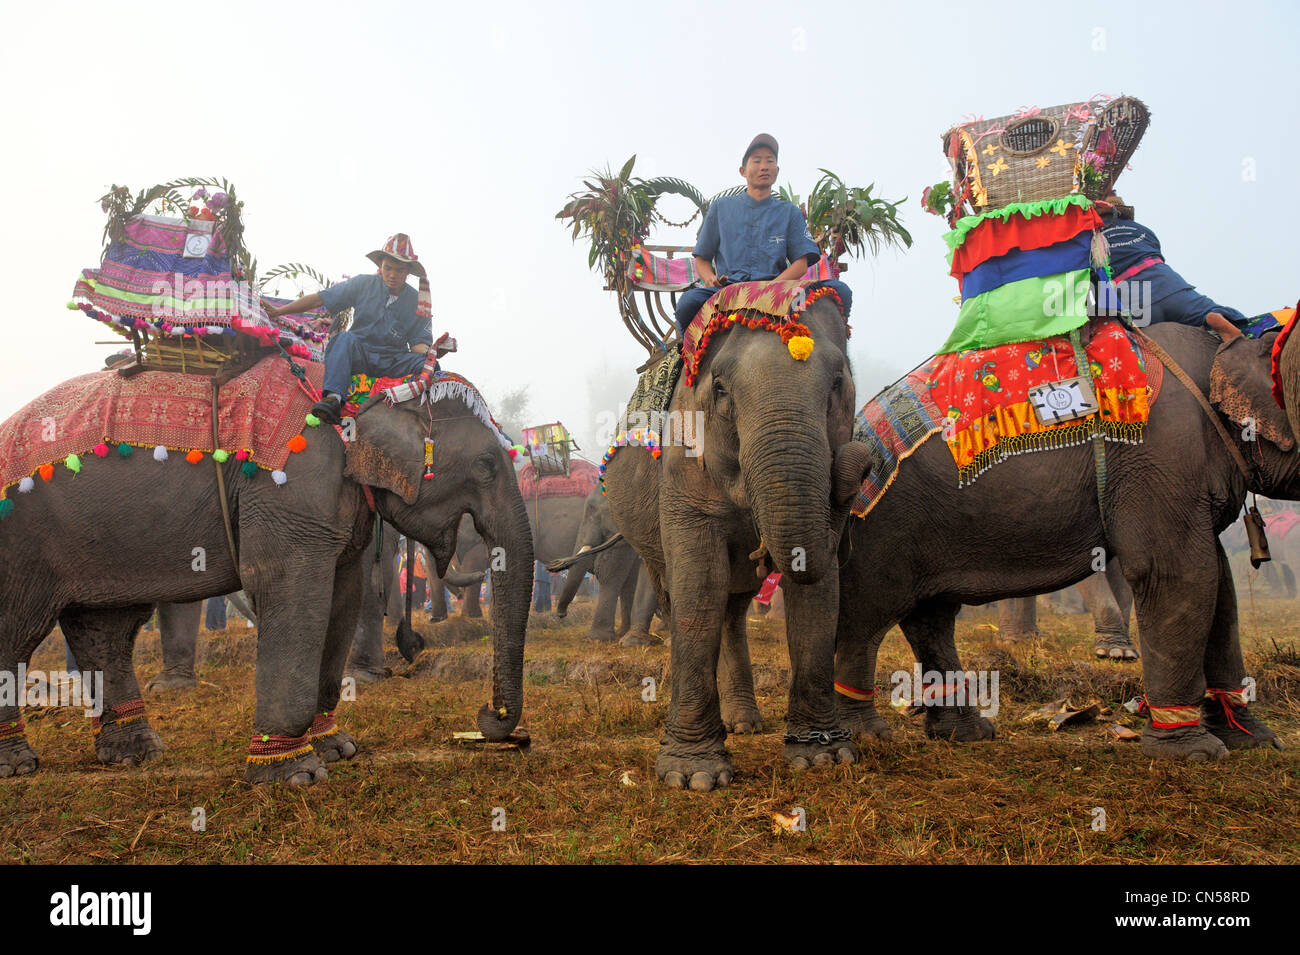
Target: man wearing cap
(752, 237)
(391, 330)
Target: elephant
(772, 481)
(1106, 595)
(929, 546)
(556, 517)
(298, 549)
(178, 630)
(622, 576)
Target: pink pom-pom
(241, 455)
(101, 450)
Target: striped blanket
(893, 425)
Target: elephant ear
(387, 450)
(1241, 387)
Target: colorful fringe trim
(323, 725)
(12, 730)
(1026, 210)
(447, 385)
(638, 438)
(1065, 436)
(264, 749)
(129, 712)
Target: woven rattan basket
(1044, 154)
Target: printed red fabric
(580, 482)
(993, 237)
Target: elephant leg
(350, 592)
(293, 607)
(626, 597)
(949, 715)
(855, 679)
(813, 735)
(1018, 619)
(367, 662)
(693, 751)
(602, 619)
(472, 605)
(178, 625)
(102, 641)
(1225, 711)
(1176, 591)
(1121, 591)
(437, 596)
(643, 610)
(735, 675)
(1109, 622)
(22, 628)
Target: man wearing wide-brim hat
(392, 326)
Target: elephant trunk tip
(496, 724)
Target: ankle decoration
(11, 729)
(1228, 699)
(855, 694)
(264, 748)
(122, 713)
(323, 725)
(1171, 717)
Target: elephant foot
(127, 743)
(1236, 727)
(807, 748)
(1192, 743)
(1114, 646)
(742, 718)
(639, 638)
(302, 770)
(601, 635)
(16, 757)
(369, 674)
(701, 772)
(334, 746)
(958, 724)
(437, 617)
(861, 719)
(172, 680)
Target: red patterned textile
(580, 482)
(993, 237)
(258, 412)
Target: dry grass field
(585, 790)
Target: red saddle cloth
(580, 482)
(258, 412)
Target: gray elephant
(1106, 596)
(178, 631)
(622, 576)
(299, 548)
(928, 547)
(771, 483)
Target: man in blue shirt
(391, 330)
(751, 237)
(1148, 288)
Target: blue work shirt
(375, 322)
(749, 240)
(1131, 243)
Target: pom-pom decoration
(248, 468)
(25, 485)
(220, 456)
(72, 463)
(46, 472)
(297, 443)
(312, 420)
(279, 477)
(800, 346)
(241, 455)
(194, 457)
(160, 453)
(125, 450)
(101, 450)
(6, 507)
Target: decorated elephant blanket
(981, 402)
(580, 482)
(102, 414)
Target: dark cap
(762, 139)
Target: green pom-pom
(73, 463)
(6, 506)
(72, 306)
(249, 469)
(125, 449)
(220, 456)
(312, 420)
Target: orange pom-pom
(47, 471)
(297, 443)
(194, 457)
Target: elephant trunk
(510, 548)
(571, 584)
(787, 469)
(456, 578)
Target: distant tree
(512, 410)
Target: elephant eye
(485, 468)
(719, 390)
(838, 384)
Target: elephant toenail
(674, 780)
(701, 782)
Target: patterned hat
(398, 247)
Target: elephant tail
(564, 563)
